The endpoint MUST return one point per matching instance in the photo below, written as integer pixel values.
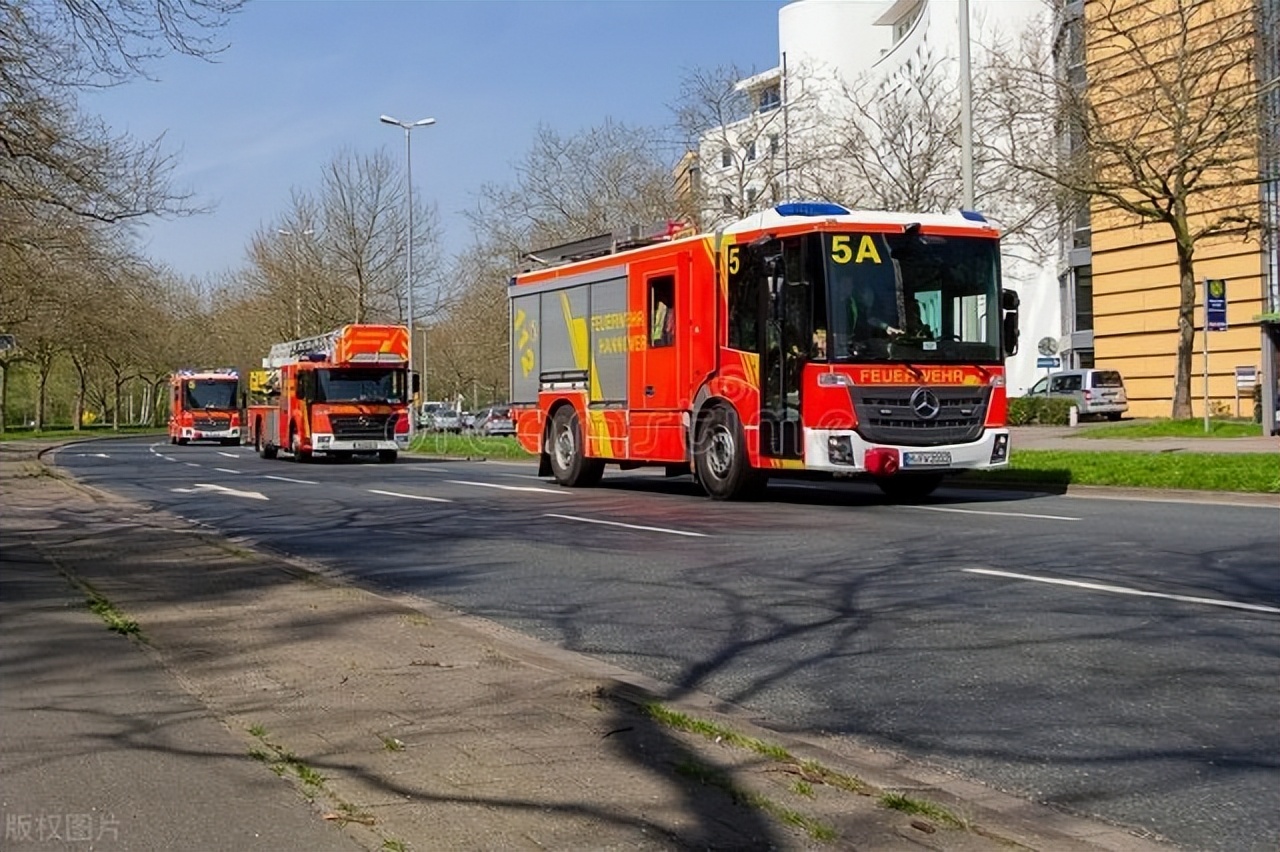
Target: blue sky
(301, 81)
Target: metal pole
(1205, 333)
(408, 171)
(966, 109)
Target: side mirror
(417, 384)
(1009, 303)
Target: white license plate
(366, 445)
(926, 459)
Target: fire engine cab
(336, 394)
(204, 405)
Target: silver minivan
(1093, 391)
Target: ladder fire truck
(204, 405)
(335, 394)
(805, 340)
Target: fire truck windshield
(913, 297)
(210, 393)
(360, 384)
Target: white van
(1093, 391)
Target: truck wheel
(386, 456)
(909, 487)
(264, 448)
(569, 464)
(720, 454)
(295, 445)
(182, 442)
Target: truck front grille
(211, 424)
(361, 427)
(886, 415)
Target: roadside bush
(1039, 411)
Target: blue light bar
(810, 208)
(973, 215)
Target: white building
(790, 140)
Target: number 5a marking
(734, 262)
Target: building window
(1084, 298)
(726, 158)
(751, 150)
(770, 98)
(773, 145)
(751, 195)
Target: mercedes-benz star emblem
(924, 403)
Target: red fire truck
(204, 405)
(804, 340)
(336, 394)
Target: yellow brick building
(1123, 275)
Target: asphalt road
(1115, 657)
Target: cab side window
(662, 309)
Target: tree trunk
(78, 409)
(115, 405)
(1186, 330)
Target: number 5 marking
(841, 251)
(734, 262)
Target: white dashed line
(987, 512)
(409, 496)
(287, 479)
(1121, 590)
(531, 488)
(627, 526)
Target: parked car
(495, 420)
(1094, 392)
(446, 420)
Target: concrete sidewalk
(265, 704)
(1076, 438)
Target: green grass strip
(908, 805)
(1244, 472)
(714, 778)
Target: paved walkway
(265, 704)
(1075, 438)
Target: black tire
(909, 487)
(295, 446)
(569, 464)
(720, 455)
(387, 456)
(182, 442)
(265, 449)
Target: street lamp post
(408, 174)
(297, 284)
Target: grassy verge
(1175, 429)
(1248, 472)
(64, 433)
(468, 446)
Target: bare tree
(1164, 132)
(759, 141)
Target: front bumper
(325, 443)
(976, 455)
(190, 434)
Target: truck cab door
(785, 339)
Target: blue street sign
(1215, 304)
(1048, 363)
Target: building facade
(1126, 268)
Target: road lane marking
(220, 489)
(188, 464)
(229, 455)
(409, 496)
(627, 526)
(225, 470)
(1122, 590)
(288, 479)
(988, 512)
(560, 491)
